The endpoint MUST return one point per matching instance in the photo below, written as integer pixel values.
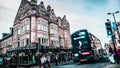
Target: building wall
(61, 37)
(67, 39)
(54, 41)
(42, 31)
(37, 24)
(6, 44)
(33, 28)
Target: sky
(81, 14)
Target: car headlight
(76, 54)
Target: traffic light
(108, 28)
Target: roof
(7, 36)
(78, 31)
(26, 10)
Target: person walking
(48, 61)
(43, 61)
(118, 55)
(56, 59)
(111, 55)
(33, 59)
(8, 61)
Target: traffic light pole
(113, 41)
(117, 30)
(117, 27)
(112, 33)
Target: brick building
(37, 24)
(6, 41)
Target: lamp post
(113, 14)
(112, 36)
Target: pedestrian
(43, 61)
(56, 59)
(111, 55)
(48, 61)
(40, 58)
(33, 59)
(65, 56)
(8, 62)
(118, 54)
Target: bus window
(82, 33)
(85, 44)
(78, 38)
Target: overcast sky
(81, 14)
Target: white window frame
(27, 25)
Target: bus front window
(85, 44)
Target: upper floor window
(42, 25)
(53, 29)
(27, 24)
(66, 34)
(19, 30)
(59, 22)
(39, 25)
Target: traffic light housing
(108, 28)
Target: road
(89, 65)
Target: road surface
(89, 65)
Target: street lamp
(113, 14)
(112, 36)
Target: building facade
(36, 24)
(6, 41)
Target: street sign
(114, 25)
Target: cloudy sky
(81, 14)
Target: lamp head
(116, 12)
(109, 13)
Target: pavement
(112, 66)
(96, 65)
(77, 65)
(67, 63)
(53, 66)
(71, 65)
